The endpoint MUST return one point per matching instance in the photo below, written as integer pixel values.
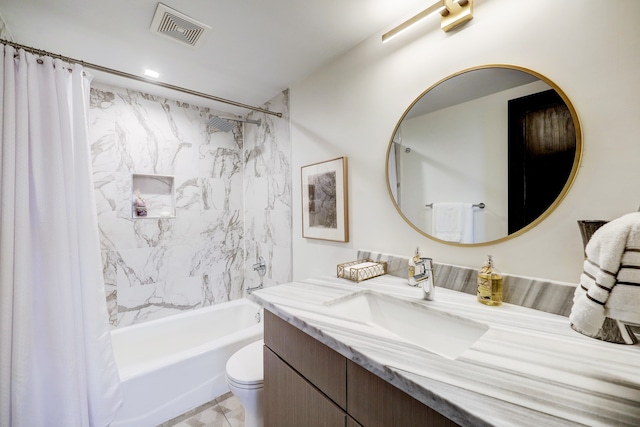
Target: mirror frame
(556, 202)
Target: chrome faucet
(261, 268)
(428, 285)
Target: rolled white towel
(586, 315)
(610, 282)
(624, 304)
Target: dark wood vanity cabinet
(309, 384)
(376, 403)
(304, 380)
(290, 400)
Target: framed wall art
(324, 200)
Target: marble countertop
(529, 369)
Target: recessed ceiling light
(151, 73)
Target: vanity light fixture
(453, 13)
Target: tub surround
(267, 195)
(156, 267)
(529, 369)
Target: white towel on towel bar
(453, 222)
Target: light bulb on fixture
(453, 13)
(151, 73)
(410, 23)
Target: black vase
(588, 227)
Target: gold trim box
(361, 269)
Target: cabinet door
(322, 366)
(290, 401)
(352, 423)
(374, 402)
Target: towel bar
(475, 205)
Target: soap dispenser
(489, 284)
(414, 263)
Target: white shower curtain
(56, 362)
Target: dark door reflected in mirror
(542, 146)
(502, 137)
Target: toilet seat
(245, 367)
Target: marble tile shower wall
(155, 267)
(5, 34)
(267, 190)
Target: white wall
(351, 108)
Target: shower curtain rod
(138, 78)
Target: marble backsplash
(155, 267)
(552, 297)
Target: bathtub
(173, 364)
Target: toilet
(245, 377)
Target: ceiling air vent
(178, 26)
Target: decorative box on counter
(361, 269)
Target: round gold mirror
(483, 155)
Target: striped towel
(610, 281)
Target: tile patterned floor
(225, 411)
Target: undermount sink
(438, 332)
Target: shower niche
(152, 196)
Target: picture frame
(324, 200)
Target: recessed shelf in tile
(152, 196)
